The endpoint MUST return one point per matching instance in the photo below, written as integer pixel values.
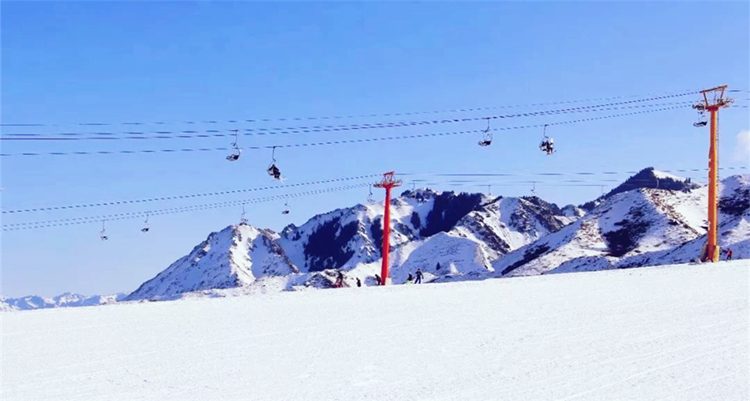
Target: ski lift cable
(473, 182)
(336, 117)
(213, 133)
(167, 211)
(332, 142)
(137, 215)
(198, 195)
(343, 179)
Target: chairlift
(273, 170)
(243, 220)
(286, 208)
(487, 139)
(702, 122)
(145, 225)
(235, 155)
(369, 196)
(102, 234)
(548, 144)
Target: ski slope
(654, 333)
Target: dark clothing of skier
(409, 279)
(419, 277)
(339, 280)
(359, 283)
(377, 278)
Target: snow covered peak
(647, 178)
(232, 257)
(627, 224)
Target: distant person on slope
(359, 283)
(377, 278)
(409, 279)
(729, 254)
(339, 280)
(419, 277)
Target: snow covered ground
(654, 333)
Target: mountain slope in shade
(345, 238)
(233, 257)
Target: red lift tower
(388, 183)
(711, 250)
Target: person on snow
(359, 283)
(377, 278)
(419, 277)
(729, 254)
(339, 280)
(409, 279)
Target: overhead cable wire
(342, 179)
(70, 136)
(190, 196)
(336, 142)
(185, 209)
(216, 205)
(399, 114)
(587, 173)
(192, 134)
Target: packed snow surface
(668, 333)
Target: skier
(377, 278)
(419, 277)
(339, 280)
(729, 254)
(359, 283)
(409, 279)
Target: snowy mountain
(638, 228)
(734, 228)
(233, 257)
(464, 232)
(646, 178)
(64, 300)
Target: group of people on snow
(419, 275)
(410, 280)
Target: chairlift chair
(286, 208)
(235, 155)
(145, 225)
(102, 234)
(243, 220)
(487, 140)
(702, 122)
(548, 144)
(369, 196)
(273, 170)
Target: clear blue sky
(71, 62)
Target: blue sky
(72, 62)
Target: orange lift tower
(713, 100)
(388, 183)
